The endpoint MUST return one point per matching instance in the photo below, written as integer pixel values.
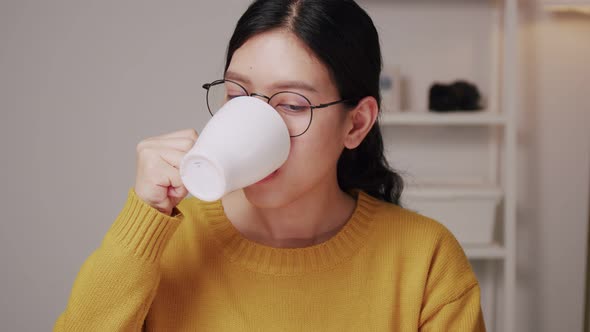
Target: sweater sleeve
(463, 314)
(116, 284)
(452, 295)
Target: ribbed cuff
(143, 229)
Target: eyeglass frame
(207, 86)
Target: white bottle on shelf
(390, 86)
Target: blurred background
(82, 82)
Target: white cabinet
(468, 212)
(582, 6)
(567, 2)
(460, 167)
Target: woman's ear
(360, 121)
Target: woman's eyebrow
(285, 85)
(282, 85)
(230, 75)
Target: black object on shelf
(458, 96)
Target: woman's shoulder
(415, 239)
(401, 221)
(412, 233)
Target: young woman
(320, 245)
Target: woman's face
(278, 61)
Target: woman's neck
(313, 218)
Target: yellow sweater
(388, 269)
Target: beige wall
(82, 82)
(554, 168)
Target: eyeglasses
(295, 109)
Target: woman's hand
(157, 179)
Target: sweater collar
(292, 261)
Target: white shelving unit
(577, 6)
(451, 119)
(583, 4)
(493, 251)
(499, 123)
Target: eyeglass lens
(293, 107)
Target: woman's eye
(292, 108)
(231, 96)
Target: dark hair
(343, 37)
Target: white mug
(244, 142)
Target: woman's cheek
(308, 157)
